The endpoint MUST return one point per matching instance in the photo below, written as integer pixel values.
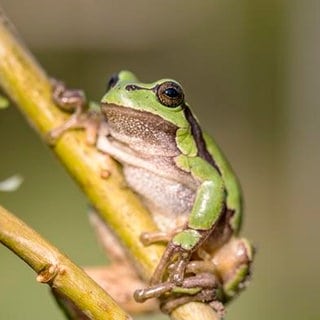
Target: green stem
(57, 270)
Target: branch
(57, 270)
(28, 86)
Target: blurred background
(251, 72)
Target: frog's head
(163, 98)
(147, 116)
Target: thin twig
(28, 86)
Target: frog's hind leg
(202, 287)
(204, 296)
(233, 265)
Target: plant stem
(28, 86)
(57, 270)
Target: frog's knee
(233, 262)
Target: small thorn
(48, 273)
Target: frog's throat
(152, 126)
(141, 124)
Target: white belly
(168, 201)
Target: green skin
(215, 190)
(151, 130)
(217, 186)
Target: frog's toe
(172, 302)
(53, 135)
(218, 307)
(141, 295)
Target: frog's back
(234, 196)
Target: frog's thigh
(120, 281)
(232, 261)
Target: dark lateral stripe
(198, 137)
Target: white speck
(11, 184)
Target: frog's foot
(198, 273)
(74, 100)
(190, 286)
(204, 296)
(218, 307)
(71, 100)
(201, 288)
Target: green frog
(183, 179)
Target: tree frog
(182, 178)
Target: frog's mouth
(139, 124)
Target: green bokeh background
(251, 71)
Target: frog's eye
(170, 94)
(112, 81)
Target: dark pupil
(171, 92)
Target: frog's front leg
(75, 102)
